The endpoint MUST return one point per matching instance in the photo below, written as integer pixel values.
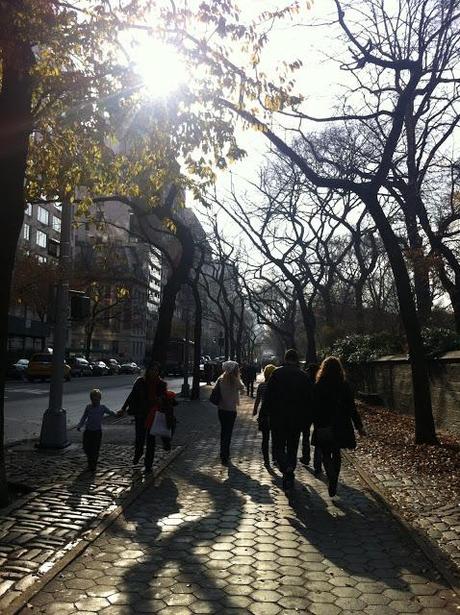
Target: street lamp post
(54, 424)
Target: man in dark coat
(287, 402)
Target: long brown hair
(331, 372)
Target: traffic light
(80, 305)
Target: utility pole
(54, 424)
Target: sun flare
(159, 66)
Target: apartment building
(123, 275)
(37, 255)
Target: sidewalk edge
(85, 541)
(380, 493)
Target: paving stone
(208, 539)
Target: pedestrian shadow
(176, 550)
(240, 481)
(355, 535)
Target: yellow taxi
(40, 367)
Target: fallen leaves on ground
(390, 452)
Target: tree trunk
(89, 340)
(178, 277)
(309, 323)
(239, 335)
(198, 330)
(425, 432)
(15, 128)
(359, 307)
(231, 327)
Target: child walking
(92, 436)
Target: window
(42, 215)
(26, 232)
(41, 239)
(29, 209)
(56, 224)
(53, 247)
(41, 259)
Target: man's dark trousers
(285, 444)
(91, 446)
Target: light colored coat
(229, 394)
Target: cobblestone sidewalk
(65, 504)
(209, 539)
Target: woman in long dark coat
(148, 392)
(335, 416)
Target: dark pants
(266, 445)
(227, 420)
(91, 446)
(332, 461)
(250, 388)
(306, 452)
(285, 444)
(144, 438)
(141, 432)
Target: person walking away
(165, 406)
(147, 393)
(208, 372)
(334, 417)
(245, 377)
(229, 385)
(287, 401)
(311, 371)
(263, 419)
(92, 420)
(251, 378)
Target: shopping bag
(159, 426)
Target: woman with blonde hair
(334, 417)
(226, 394)
(263, 420)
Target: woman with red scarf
(148, 396)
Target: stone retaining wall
(390, 377)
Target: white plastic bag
(159, 426)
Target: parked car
(113, 365)
(130, 368)
(99, 368)
(80, 367)
(40, 367)
(18, 369)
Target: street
(25, 402)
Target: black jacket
(137, 402)
(335, 407)
(287, 399)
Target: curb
(424, 543)
(81, 544)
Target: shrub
(438, 340)
(359, 348)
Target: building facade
(36, 260)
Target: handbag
(216, 395)
(159, 426)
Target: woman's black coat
(334, 406)
(137, 402)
